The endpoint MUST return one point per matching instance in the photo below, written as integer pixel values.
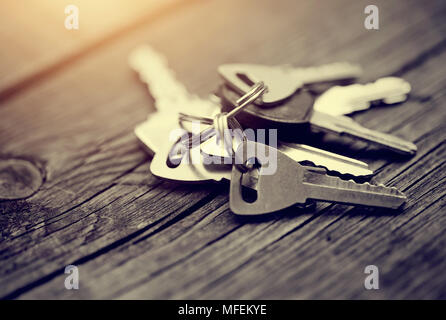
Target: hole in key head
(177, 152)
(245, 79)
(249, 180)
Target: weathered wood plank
(70, 195)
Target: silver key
(346, 126)
(284, 81)
(297, 113)
(293, 183)
(300, 153)
(341, 100)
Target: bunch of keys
(168, 130)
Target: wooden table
(68, 106)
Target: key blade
(299, 153)
(171, 98)
(340, 100)
(342, 125)
(169, 93)
(330, 161)
(333, 189)
(327, 72)
(154, 71)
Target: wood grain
(134, 236)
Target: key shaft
(345, 126)
(340, 100)
(319, 186)
(326, 73)
(336, 163)
(170, 94)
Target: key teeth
(335, 173)
(391, 190)
(396, 191)
(372, 187)
(380, 185)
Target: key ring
(220, 125)
(253, 94)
